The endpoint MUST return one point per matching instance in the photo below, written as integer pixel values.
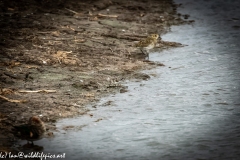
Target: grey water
(189, 109)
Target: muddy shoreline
(57, 57)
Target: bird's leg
(147, 54)
(142, 51)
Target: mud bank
(57, 57)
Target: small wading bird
(148, 43)
(32, 131)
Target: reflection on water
(190, 110)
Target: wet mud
(57, 57)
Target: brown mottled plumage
(148, 43)
(32, 131)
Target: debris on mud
(57, 56)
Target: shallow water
(189, 109)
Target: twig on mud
(110, 16)
(76, 14)
(72, 11)
(31, 66)
(97, 41)
(79, 40)
(58, 39)
(38, 91)
(71, 28)
(12, 100)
